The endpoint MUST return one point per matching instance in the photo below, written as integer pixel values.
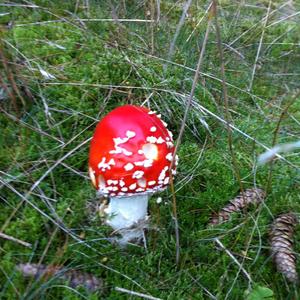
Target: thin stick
(197, 282)
(284, 19)
(257, 24)
(136, 294)
(225, 96)
(87, 8)
(234, 259)
(188, 106)
(10, 75)
(199, 22)
(186, 6)
(11, 238)
(19, 5)
(10, 94)
(157, 11)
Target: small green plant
(259, 293)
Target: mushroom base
(128, 216)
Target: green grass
(100, 65)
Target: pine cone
(73, 277)
(281, 238)
(250, 196)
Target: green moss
(100, 65)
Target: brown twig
(259, 46)
(11, 96)
(227, 114)
(13, 239)
(152, 25)
(10, 77)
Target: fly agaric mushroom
(130, 158)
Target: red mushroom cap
(131, 152)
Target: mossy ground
(98, 65)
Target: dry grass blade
(281, 239)
(259, 47)
(234, 259)
(85, 21)
(141, 295)
(227, 114)
(183, 124)
(178, 28)
(249, 196)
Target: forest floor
(65, 64)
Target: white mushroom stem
(128, 215)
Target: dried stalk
(187, 109)
(13, 239)
(227, 115)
